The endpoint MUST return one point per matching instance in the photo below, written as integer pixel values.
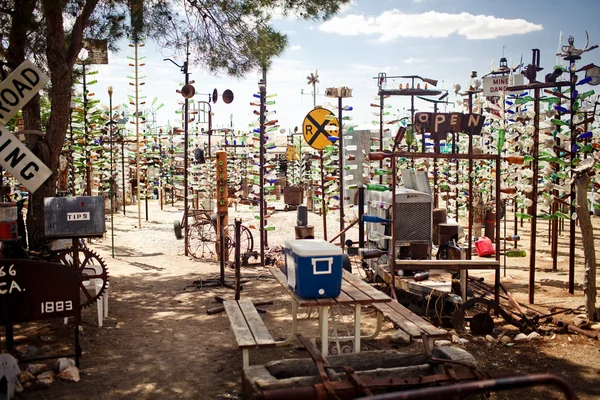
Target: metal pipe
(185, 151)
(464, 389)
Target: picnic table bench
(248, 327)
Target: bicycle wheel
(246, 242)
(202, 237)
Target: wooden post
(581, 183)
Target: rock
(19, 387)
(455, 339)
(36, 369)
(45, 375)
(521, 337)
(22, 349)
(580, 320)
(595, 326)
(45, 382)
(63, 363)
(534, 336)
(26, 376)
(490, 339)
(442, 343)
(69, 374)
(401, 337)
(463, 342)
(505, 339)
(28, 385)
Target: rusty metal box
(74, 216)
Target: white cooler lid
(312, 247)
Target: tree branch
(76, 42)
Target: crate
(292, 195)
(313, 268)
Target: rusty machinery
(332, 387)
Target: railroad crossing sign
(318, 125)
(15, 92)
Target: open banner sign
(15, 91)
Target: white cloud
(412, 60)
(295, 47)
(393, 24)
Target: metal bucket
(8, 221)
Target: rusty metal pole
(381, 105)
(263, 94)
(341, 166)
(573, 79)
(534, 184)
(470, 177)
(323, 203)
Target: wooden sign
(319, 124)
(35, 290)
(440, 124)
(493, 85)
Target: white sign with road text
(15, 91)
(21, 162)
(20, 86)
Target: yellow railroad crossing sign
(318, 125)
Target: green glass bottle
(378, 187)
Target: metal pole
(263, 95)
(323, 202)
(573, 135)
(185, 150)
(111, 191)
(123, 169)
(361, 211)
(470, 178)
(341, 166)
(534, 184)
(137, 137)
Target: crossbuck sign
(15, 92)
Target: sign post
(15, 91)
(319, 124)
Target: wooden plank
(357, 296)
(425, 326)
(398, 319)
(242, 333)
(447, 264)
(257, 326)
(377, 296)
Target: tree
(225, 36)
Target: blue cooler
(313, 268)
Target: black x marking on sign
(320, 129)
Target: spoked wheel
(93, 273)
(246, 242)
(202, 237)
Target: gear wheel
(93, 273)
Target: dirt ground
(159, 342)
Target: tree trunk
(582, 181)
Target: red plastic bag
(484, 247)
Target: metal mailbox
(74, 216)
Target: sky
(437, 39)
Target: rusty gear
(91, 266)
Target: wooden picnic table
(355, 292)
